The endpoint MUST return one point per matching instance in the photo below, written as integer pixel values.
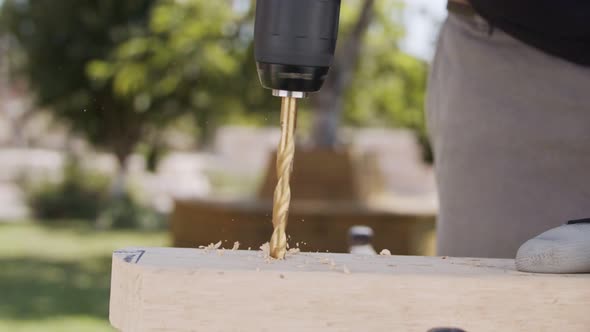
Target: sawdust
(236, 246)
(265, 248)
(385, 252)
(265, 253)
(211, 246)
(332, 265)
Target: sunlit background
(142, 123)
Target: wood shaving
(202, 247)
(236, 246)
(292, 252)
(265, 249)
(385, 252)
(217, 245)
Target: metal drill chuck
(294, 42)
(289, 94)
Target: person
(508, 112)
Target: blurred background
(142, 123)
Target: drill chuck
(294, 42)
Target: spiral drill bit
(282, 195)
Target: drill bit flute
(282, 194)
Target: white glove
(565, 249)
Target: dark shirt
(558, 27)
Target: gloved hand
(565, 249)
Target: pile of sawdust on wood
(265, 253)
(211, 246)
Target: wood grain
(171, 289)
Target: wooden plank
(172, 289)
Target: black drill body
(294, 42)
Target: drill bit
(282, 195)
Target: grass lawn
(56, 277)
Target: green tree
(59, 40)
(194, 55)
(117, 70)
(207, 66)
(389, 85)
(372, 82)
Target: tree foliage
(389, 84)
(194, 55)
(372, 82)
(116, 70)
(60, 39)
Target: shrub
(126, 212)
(85, 196)
(78, 195)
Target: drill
(294, 44)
